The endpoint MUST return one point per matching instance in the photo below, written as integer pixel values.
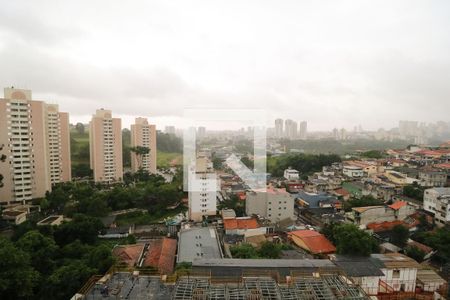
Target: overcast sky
(332, 63)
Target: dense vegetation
(43, 262)
(304, 163)
(439, 240)
(141, 190)
(350, 240)
(267, 250)
(376, 154)
(233, 203)
(168, 142)
(414, 191)
(54, 262)
(366, 200)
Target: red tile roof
(443, 166)
(342, 192)
(161, 255)
(238, 223)
(385, 226)
(128, 254)
(316, 242)
(397, 205)
(420, 246)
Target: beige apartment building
(35, 140)
(273, 204)
(143, 135)
(105, 141)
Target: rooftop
(396, 260)
(240, 223)
(365, 208)
(397, 205)
(315, 242)
(264, 263)
(198, 242)
(358, 266)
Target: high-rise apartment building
(279, 128)
(143, 135)
(303, 130)
(290, 129)
(203, 193)
(35, 140)
(105, 137)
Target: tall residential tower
(105, 141)
(34, 137)
(143, 135)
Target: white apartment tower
(203, 188)
(143, 135)
(34, 137)
(279, 128)
(105, 137)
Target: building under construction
(203, 287)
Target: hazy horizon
(333, 64)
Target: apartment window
(396, 274)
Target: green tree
(41, 249)
(84, 228)
(414, 191)
(244, 251)
(415, 253)
(101, 258)
(79, 127)
(2, 160)
(17, 277)
(67, 280)
(400, 235)
(350, 240)
(269, 250)
(366, 200)
(140, 152)
(126, 142)
(373, 154)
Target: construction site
(202, 286)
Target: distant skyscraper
(34, 137)
(143, 135)
(408, 128)
(303, 130)
(169, 129)
(290, 129)
(105, 136)
(201, 132)
(279, 128)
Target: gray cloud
(331, 63)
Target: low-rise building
(436, 201)
(312, 241)
(371, 214)
(291, 174)
(432, 178)
(197, 242)
(273, 204)
(242, 225)
(312, 200)
(387, 273)
(353, 171)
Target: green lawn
(166, 159)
